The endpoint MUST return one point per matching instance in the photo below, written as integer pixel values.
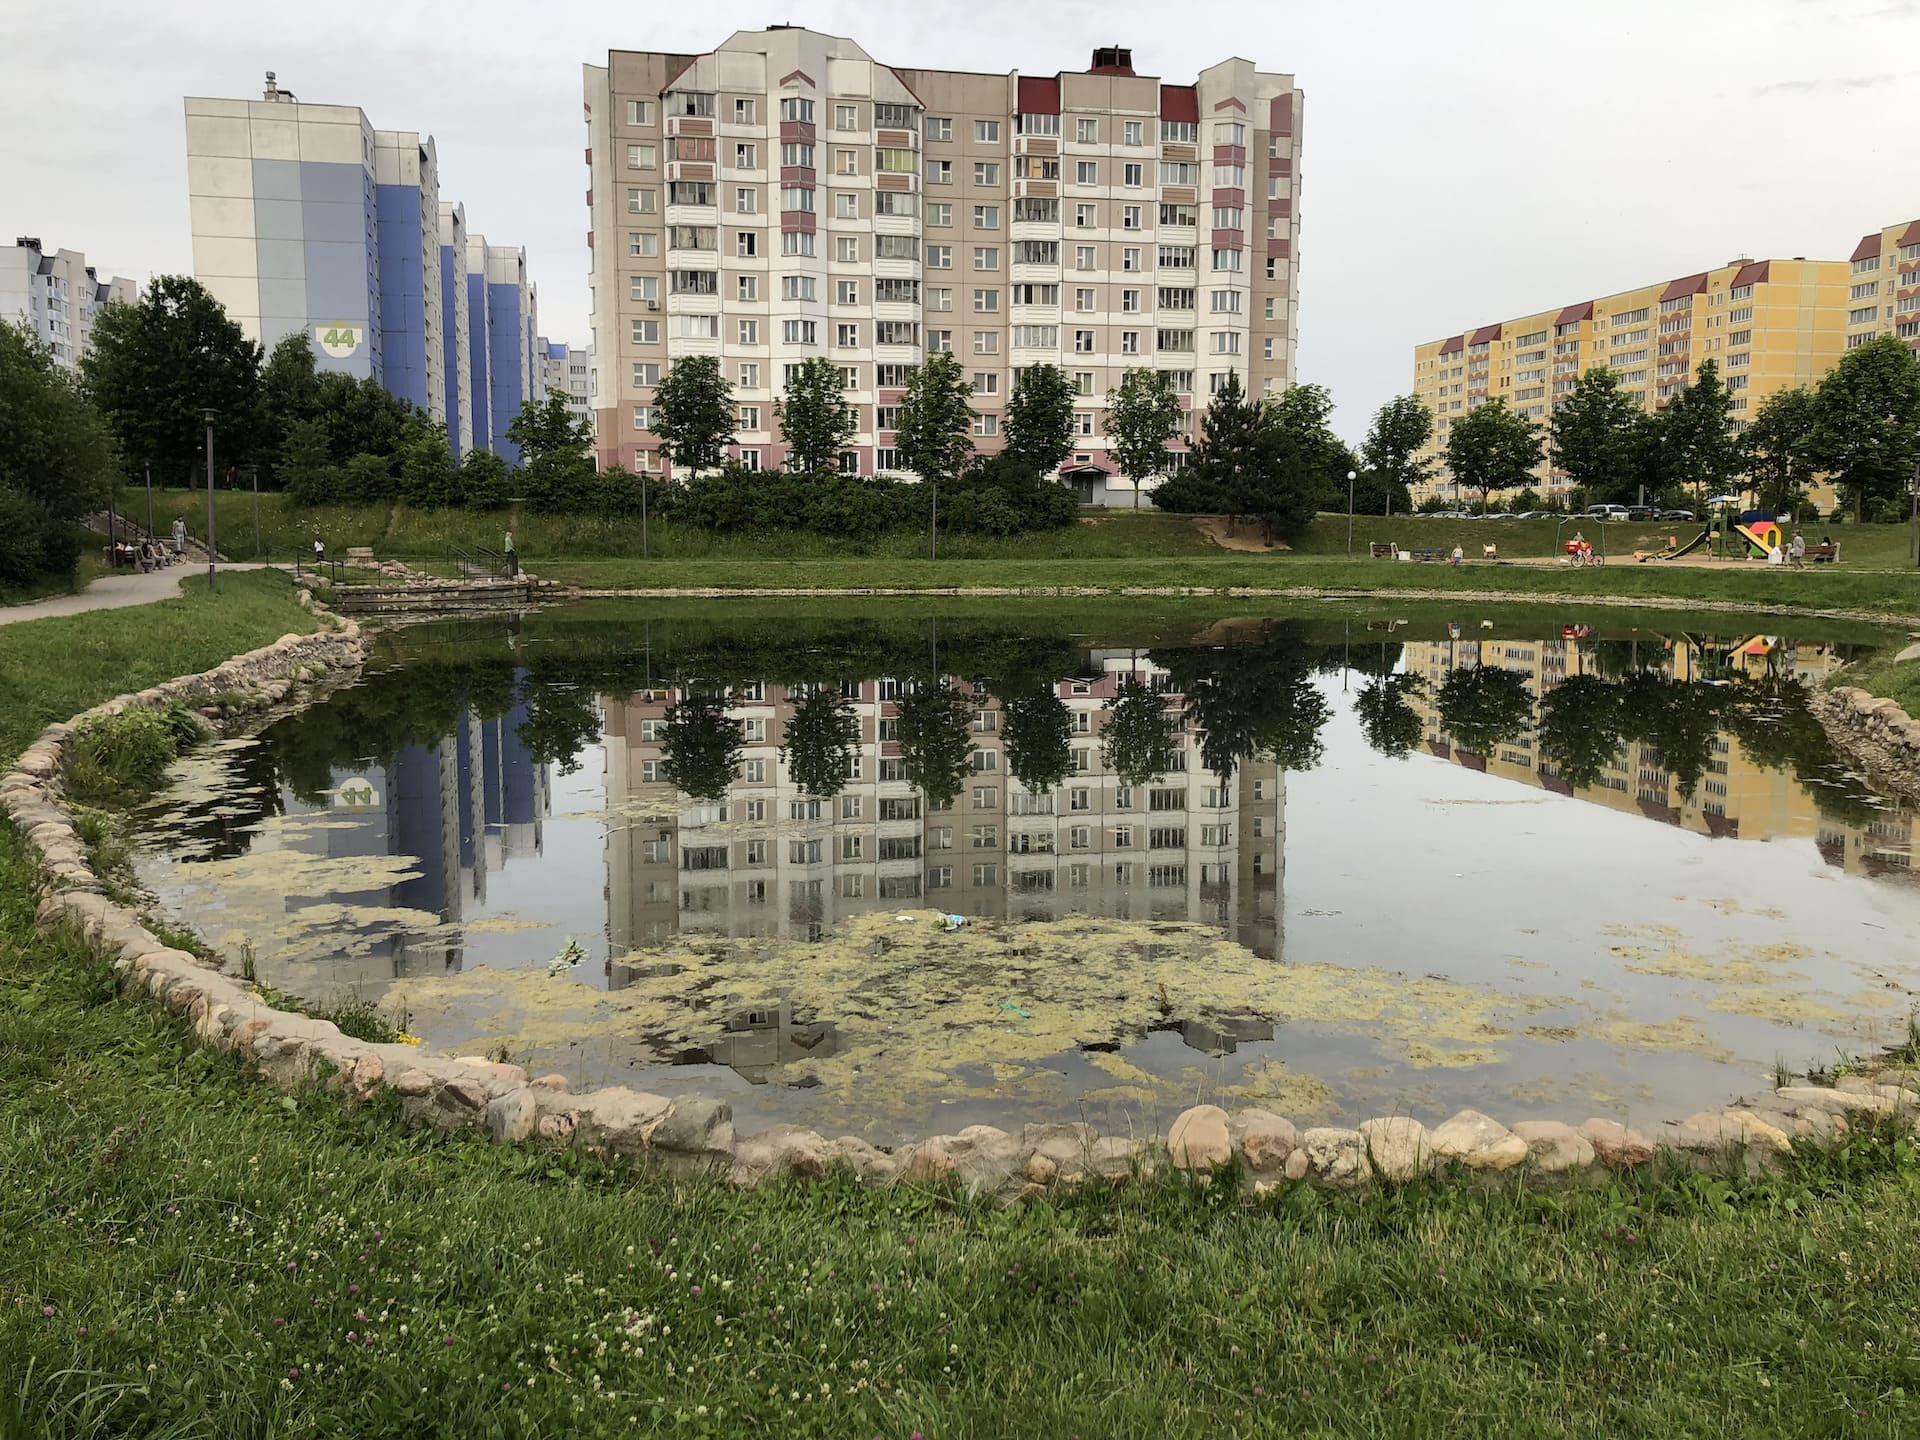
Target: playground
(1740, 536)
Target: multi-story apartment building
(307, 220)
(786, 196)
(569, 372)
(1883, 297)
(514, 372)
(56, 295)
(1769, 325)
(768, 859)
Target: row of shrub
(992, 498)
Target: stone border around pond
(696, 1134)
(1877, 732)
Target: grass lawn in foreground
(52, 669)
(185, 1252)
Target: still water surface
(884, 872)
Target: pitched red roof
(1453, 346)
(1486, 333)
(1754, 272)
(1582, 311)
(1180, 102)
(1911, 235)
(1686, 285)
(1039, 97)
(1868, 248)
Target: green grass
(184, 1252)
(53, 669)
(1900, 681)
(89, 567)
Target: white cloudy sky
(1464, 159)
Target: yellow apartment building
(1883, 296)
(1770, 324)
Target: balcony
(690, 125)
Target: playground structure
(1757, 532)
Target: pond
(895, 869)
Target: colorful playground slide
(1761, 537)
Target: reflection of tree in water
(701, 746)
(1136, 737)
(1581, 729)
(1775, 724)
(936, 739)
(1038, 730)
(1389, 724)
(1482, 706)
(1256, 699)
(821, 734)
(1677, 720)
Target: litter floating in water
(951, 922)
(568, 959)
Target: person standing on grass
(513, 558)
(319, 550)
(179, 536)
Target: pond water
(890, 870)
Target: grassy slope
(197, 1241)
(50, 669)
(1884, 677)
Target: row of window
(939, 213)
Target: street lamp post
(149, 498)
(1352, 475)
(212, 576)
(933, 525)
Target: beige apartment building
(1883, 297)
(1769, 325)
(788, 196)
(768, 860)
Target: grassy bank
(1900, 680)
(184, 1252)
(399, 532)
(51, 669)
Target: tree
(1400, 430)
(1039, 737)
(1136, 737)
(1143, 418)
(1491, 448)
(815, 420)
(1227, 463)
(428, 476)
(1591, 436)
(821, 734)
(1304, 462)
(548, 431)
(1482, 705)
(1039, 420)
(1702, 449)
(289, 394)
(57, 460)
(1390, 724)
(305, 464)
(693, 413)
(1580, 734)
(701, 746)
(1778, 448)
(156, 365)
(936, 739)
(935, 428)
(1866, 430)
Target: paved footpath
(112, 592)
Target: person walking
(513, 558)
(1797, 552)
(179, 537)
(319, 550)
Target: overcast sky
(1463, 160)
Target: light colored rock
(780, 1151)
(1614, 1145)
(867, 1161)
(1297, 1165)
(512, 1116)
(1554, 1148)
(462, 1099)
(615, 1119)
(1198, 1141)
(1478, 1142)
(1263, 1140)
(551, 1082)
(1398, 1147)
(694, 1125)
(1834, 1102)
(1066, 1147)
(1338, 1157)
(1041, 1169)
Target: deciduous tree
(1866, 430)
(1778, 447)
(693, 413)
(1491, 448)
(1391, 451)
(815, 420)
(1039, 420)
(934, 432)
(1143, 418)
(1591, 437)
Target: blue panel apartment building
(308, 221)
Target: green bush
(993, 498)
(124, 756)
(34, 543)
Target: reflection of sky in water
(1618, 958)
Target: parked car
(1641, 512)
(1605, 512)
(1678, 515)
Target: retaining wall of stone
(1877, 733)
(697, 1134)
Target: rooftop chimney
(1113, 60)
(274, 92)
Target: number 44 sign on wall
(339, 338)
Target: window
(1083, 425)
(1083, 382)
(748, 331)
(691, 102)
(1179, 172)
(1086, 172)
(695, 327)
(986, 302)
(891, 377)
(797, 198)
(643, 287)
(645, 373)
(1133, 175)
(985, 427)
(642, 157)
(939, 342)
(640, 112)
(1130, 258)
(746, 112)
(1036, 337)
(986, 257)
(643, 417)
(749, 417)
(1130, 301)
(896, 247)
(796, 287)
(1083, 298)
(1086, 130)
(939, 257)
(1224, 302)
(986, 172)
(1230, 177)
(846, 117)
(799, 332)
(846, 249)
(895, 332)
(1083, 257)
(1083, 217)
(1185, 216)
(746, 244)
(986, 132)
(895, 161)
(1176, 257)
(794, 107)
(847, 292)
(939, 172)
(642, 243)
(986, 217)
(1129, 342)
(986, 382)
(939, 127)
(1226, 259)
(1131, 133)
(1083, 342)
(940, 213)
(1129, 217)
(1179, 132)
(893, 117)
(746, 200)
(688, 192)
(846, 205)
(643, 202)
(646, 332)
(1038, 124)
(1226, 342)
(1229, 132)
(846, 337)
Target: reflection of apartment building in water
(1735, 797)
(1768, 324)
(786, 196)
(767, 859)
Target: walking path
(112, 592)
